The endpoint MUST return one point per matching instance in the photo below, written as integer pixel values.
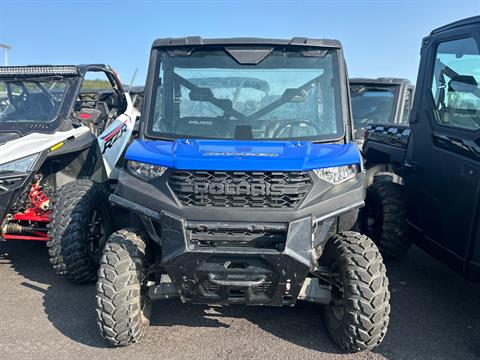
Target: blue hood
(243, 155)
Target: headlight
(338, 174)
(19, 166)
(145, 171)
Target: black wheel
(383, 218)
(81, 224)
(123, 305)
(358, 315)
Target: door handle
(470, 172)
(410, 166)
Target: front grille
(259, 239)
(262, 289)
(248, 189)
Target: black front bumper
(231, 273)
(241, 267)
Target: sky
(380, 37)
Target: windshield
(374, 104)
(31, 100)
(208, 94)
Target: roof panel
(380, 80)
(463, 22)
(198, 41)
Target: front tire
(123, 306)
(358, 315)
(383, 218)
(81, 224)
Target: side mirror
(464, 84)
(206, 94)
(201, 94)
(294, 95)
(466, 79)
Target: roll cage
(73, 75)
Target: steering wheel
(290, 124)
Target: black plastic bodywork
(253, 252)
(225, 274)
(384, 149)
(78, 159)
(440, 167)
(198, 41)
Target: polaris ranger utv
(437, 156)
(245, 182)
(59, 145)
(379, 101)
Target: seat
(92, 118)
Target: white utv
(60, 145)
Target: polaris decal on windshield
(113, 136)
(214, 153)
(200, 122)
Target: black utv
(437, 156)
(379, 101)
(245, 182)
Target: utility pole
(5, 48)
(133, 77)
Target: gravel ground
(435, 315)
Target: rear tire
(81, 224)
(358, 315)
(383, 218)
(123, 306)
